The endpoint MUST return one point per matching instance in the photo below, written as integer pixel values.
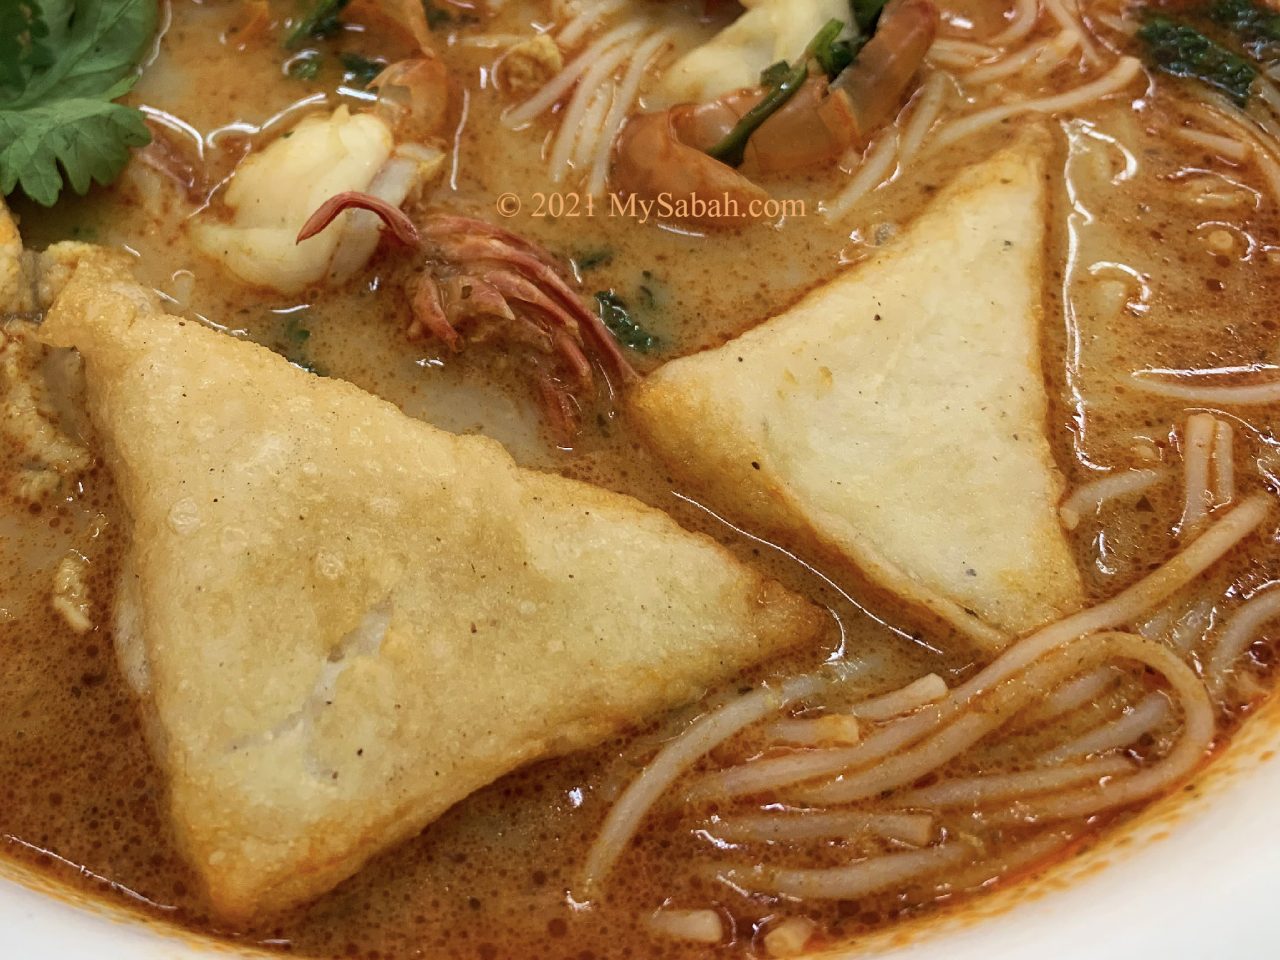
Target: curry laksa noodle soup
(624, 478)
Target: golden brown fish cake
(349, 620)
(897, 414)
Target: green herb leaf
(1183, 51)
(319, 22)
(72, 59)
(866, 13)
(774, 74)
(361, 70)
(1257, 27)
(618, 319)
(837, 55)
(22, 47)
(733, 146)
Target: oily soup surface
(1162, 255)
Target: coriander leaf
(1181, 50)
(88, 139)
(95, 43)
(23, 33)
(56, 114)
(618, 319)
(319, 22)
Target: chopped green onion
(732, 147)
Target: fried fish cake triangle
(897, 414)
(343, 621)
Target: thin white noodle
(1023, 21)
(1017, 62)
(1270, 95)
(930, 103)
(1119, 24)
(1036, 849)
(623, 100)
(1073, 694)
(559, 85)
(591, 14)
(1189, 752)
(1111, 82)
(575, 117)
(1052, 56)
(1229, 148)
(1067, 15)
(695, 926)
(914, 828)
(1126, 606)
(1224, 463)
(1132, 724)
(1238, 633)
(586, 134)
(851, 882)
(676, 756)
(951, 60)
(1001, 787)
(1197, 447)
(789, 937)
(1090, 497)
(774, 773)
(971, 49)
(996, 708)
(492, 41)
(1242, 395)
(875, 167)
(927, 689)
(918, 693)
(832, 728)
(1262, 151)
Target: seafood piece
(877, 81)
(769, 31)
(413, 98)
(802, 119)
(274, 191)
(481, 283)
(653, 159)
